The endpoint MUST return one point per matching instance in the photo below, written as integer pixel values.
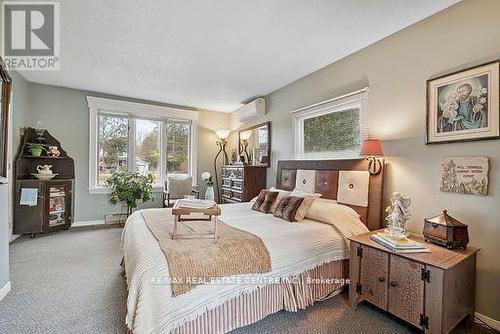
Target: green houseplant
(130, 188)
(35, 149)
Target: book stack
(399, 244)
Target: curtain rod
(364, 90)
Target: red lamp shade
(372, 148)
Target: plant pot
(209, 193)
(36, 152)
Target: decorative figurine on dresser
(44, 185)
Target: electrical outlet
(104, 204)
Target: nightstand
(433, 291)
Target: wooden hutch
(52, 210)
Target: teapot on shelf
(44, 169)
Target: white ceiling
(214, 54)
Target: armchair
(176, 187)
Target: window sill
(107, 190)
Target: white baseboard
(5, 290)
(88, 223)
(489, 321)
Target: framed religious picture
(5, 86)
(464, 106)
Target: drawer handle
(381, 279)
(394, 284)
(435, 225)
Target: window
(113, 146)
(147, 148)
(132, 136)
(332, 129)
(177, 148)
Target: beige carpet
(70, 282)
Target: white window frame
(133, 111)
(354, 100)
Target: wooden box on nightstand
(433, 291)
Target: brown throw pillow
(264, 201)
(287, 208)
(260, 199)
(268, 201)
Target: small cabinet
(52, 211)
(433, 291)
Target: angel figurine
(398, 213)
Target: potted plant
(35, 149)
(207, 178)
(130, 188)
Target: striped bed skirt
(290, 295)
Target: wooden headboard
(327, 177)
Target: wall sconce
(244, 137)
(372, 150)
(221, 143)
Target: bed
(309, 259)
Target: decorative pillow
(264, 201)
(302, 210)
(309, 198)
(271, 196)
(281, 194)
(287, 208)
(259, 200)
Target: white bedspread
(294, 248)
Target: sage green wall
(65, 114)
(396, 70)
(19, 109)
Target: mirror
(255, 144)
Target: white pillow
(309, 198)
(342, 217)
(327, 210)
(299, 193)
(327, 200)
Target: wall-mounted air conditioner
(248, 112)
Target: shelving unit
(54, 205)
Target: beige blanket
(192, 262)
